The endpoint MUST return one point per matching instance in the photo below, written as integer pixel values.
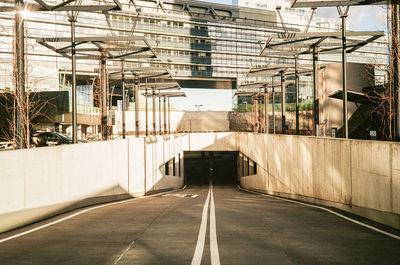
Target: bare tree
(383, 97)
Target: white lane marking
(213, 233)
(72, 216)
(181, 195)
(328, 210)
(198, 253)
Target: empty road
(199, 225)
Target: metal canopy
(150, 73)
(150, 78)
(328, 42)
(334, 3)
(161, 86)
(255, 85)
(174, 94)
(97, 48)
(274, 70)
(244, 93)
(67, 5)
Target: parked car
(49, 139)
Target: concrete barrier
(361, 177)
(43, 182)
(38, 183)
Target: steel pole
(260, 118)
(159, 115)
(104, 123)
(344, 79)
(154, 111)
(165, 114)
(395, 21)
(137, 128)
(273, 106)
(169, 116)
(123, 100)
(147, 112)
(19, 75)
(266, 116)
(315, 88)
(74, 103)
(296, 79)
(283, 102)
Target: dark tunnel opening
(199, 166)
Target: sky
(360, 18)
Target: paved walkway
(221, 225)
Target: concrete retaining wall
(361, 177)
(42, 182)
(38, 183)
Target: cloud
(360, 17)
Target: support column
(273, 107)
(104, 95)
(344, 75)
(255, 113)
(296, 80)
(154, 111)
(159, 115)
(19, 75)
(169, 116)
(146, 111)
(123, 99)
(395, 20)
(260, 118)
(137, 102)
(165, 114)
(283, 102)
(315, 89)
(266, 116)
(74, 102)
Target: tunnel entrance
(200, 165)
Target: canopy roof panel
(97, 48)
(171, 94)
(330, 3)
(327, 42)
(150, 73)
(62, 5)
(274, 70)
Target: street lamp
(198, 107)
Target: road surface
(199, 225)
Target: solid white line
(328, 210)
(72, 216)
(198, 253)
(213, 233)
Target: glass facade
(194, 39)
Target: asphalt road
(219, 225)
